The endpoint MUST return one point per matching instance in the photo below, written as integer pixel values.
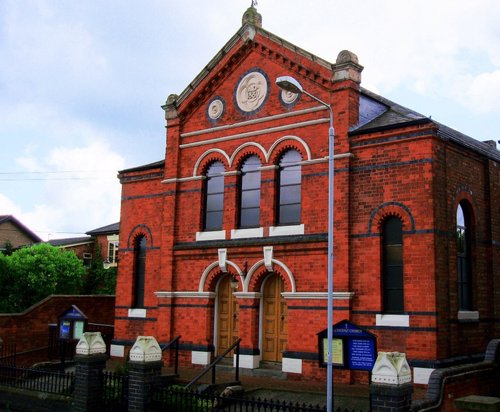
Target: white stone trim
(291, 365)
(248, 361)
(247, 295)
(286, 230)
(252, 122)
(137, 313)
(185, 294)
(422, 375)
(472, 315)
(211, 235)
(254, 133)
(117, 351)
(200, 358)
(182, 179)
(247, 233)
(400, 321)
(317, 295)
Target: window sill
(286, 230)
(137, 313)
(211, 235)
(468, 316)
(399, 321)
(247, 233)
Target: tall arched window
(139, 271)
(214, 197)
(289, 192)
(249, 215)
(464, 261)
(392, 266)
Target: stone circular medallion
(289, 97)
(251, 91)
(215, 109)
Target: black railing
(8, 355)
(37, 380)
(213, 365)
(114, 391)
(175, 343)
(183, 400)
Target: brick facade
(390, 161)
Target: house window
(392, 266)
(139, 271)
(112, 251)
(464, 261)
(289, 190)
(250, 193)
(214, 197)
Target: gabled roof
(9, 218)
(105, 230)
(70, 241)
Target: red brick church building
(226, 236)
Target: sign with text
(352, 347)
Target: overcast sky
(82, 82)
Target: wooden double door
(274, 332)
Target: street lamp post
(290, 84)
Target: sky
(82, 82)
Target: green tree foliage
(99, 281)
(32, 273)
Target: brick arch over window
(208, 157)
(464, 194)
(213, 272)
(136, 232)
(248, 149)
(380, 213)
(286, 143)
(258, 272)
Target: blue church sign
(352, 347)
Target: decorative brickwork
(390, 161)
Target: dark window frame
(249, 193)
(392, 266)
(464, 256)
(213, 195)
(140, 252)
(289, 190)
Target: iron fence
(181, 400)
(37, 380)
(114, 391)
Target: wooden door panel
(274, 325)
(227, 316)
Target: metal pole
(329, 380)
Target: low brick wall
(448, 384)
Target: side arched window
(249, 186)
(289, 189)
(464, 260)
(139, 271)
(214, 197)
(392, 266)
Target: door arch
(227, 316)
(274, 319)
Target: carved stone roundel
(215, 109)
(251, 91)
(288, 97)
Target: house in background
(107, 237)
(15, 234)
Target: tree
(32, 273)
(99, 281)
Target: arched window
(289, 191)
(392, 266)
(139, 271)
(214, 197)
(249, 215)
(464, 261)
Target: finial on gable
(251, 16)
